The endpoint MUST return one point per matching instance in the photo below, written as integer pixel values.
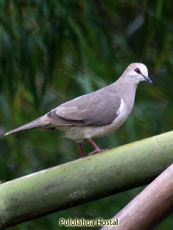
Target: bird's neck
(127, 90)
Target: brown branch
(150, 207)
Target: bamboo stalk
(150, 207)
(84, 180)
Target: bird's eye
(137, 70)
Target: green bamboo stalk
(84, 179)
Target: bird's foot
(98, 150)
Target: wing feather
(94, 109)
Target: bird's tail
(38, 123)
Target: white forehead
(141, 66)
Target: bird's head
(137, 72)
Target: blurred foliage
(52, 51)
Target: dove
(94, 114)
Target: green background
(52, 51)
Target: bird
(95, 114)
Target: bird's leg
(81, 149)
(96, 148)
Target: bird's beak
(147, 79)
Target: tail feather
(38, 123)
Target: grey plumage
(94, 114)
(85, 109)
(82, 111)
(38, 123)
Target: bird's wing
(95, 109)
